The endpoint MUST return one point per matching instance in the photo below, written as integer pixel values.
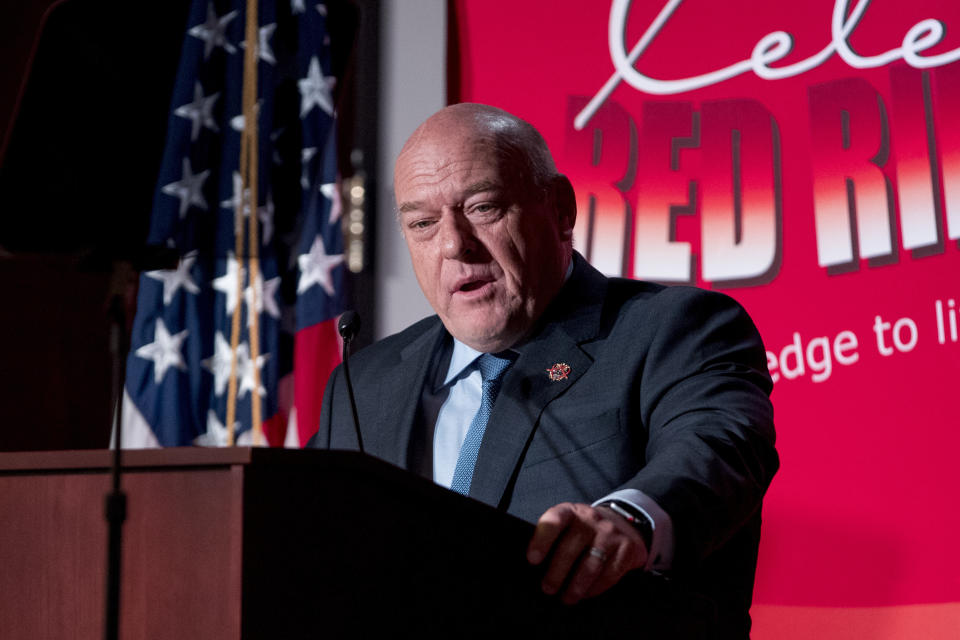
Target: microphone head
(349, 325)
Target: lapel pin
(559, 371)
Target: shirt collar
(461, 358)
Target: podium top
(96, 459)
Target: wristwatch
(638, 518)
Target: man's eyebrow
(480, 187)
(408, 206)
(473, 189)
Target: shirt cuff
(660, 553)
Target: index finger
(549, 527)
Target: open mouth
(473, 285)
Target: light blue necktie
(491, 370)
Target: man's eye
(420, 224)
(484, 207)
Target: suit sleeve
(704, 399)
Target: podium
(271, 543)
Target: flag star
(189, 188)
(296, 6)
(265, 214)
(331, 193)
(164, 351)
(266, 298)
(227, 283)
(234, 200)
(264, 51)
(316, 267)
(216, 435)
(306, 155)
(322, 9)
(219, 363)
(212, 32)
(219, 366)
(173, 280)
(245, 371)
(199, 112)
(315, 89)
(238, 122)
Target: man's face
(488, 252)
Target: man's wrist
(637, 518)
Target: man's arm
(703, 400)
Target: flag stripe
(316, 356)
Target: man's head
(488, 222)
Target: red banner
(805, 159)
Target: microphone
(348, 326)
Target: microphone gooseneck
(348, 326)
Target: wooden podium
(270, 543)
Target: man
(630, 421)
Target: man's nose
(456, 236)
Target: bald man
(630, 421)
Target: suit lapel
(399, 396)
(572, 319)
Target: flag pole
(246, 203)
(235, 320)
(249, 177)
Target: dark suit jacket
(667, 393)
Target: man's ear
(566, 203)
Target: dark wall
(54, 364)
(83, 109)
(83, 152)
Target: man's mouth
(471, 285)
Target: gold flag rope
(246, 201)
(251, 130)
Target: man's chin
(488, 339)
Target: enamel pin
(559, 371)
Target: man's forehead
(439, 149)
(447, 164)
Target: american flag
(180, 358)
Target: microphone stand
(348, 326)
(115, 504)
(123, 267)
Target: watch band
(638, 518)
